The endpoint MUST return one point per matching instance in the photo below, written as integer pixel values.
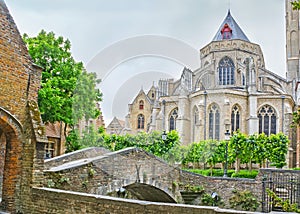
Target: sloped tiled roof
(53, 130)
(237, 32)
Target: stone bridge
(97, 171)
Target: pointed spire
(229, 29)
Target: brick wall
(65, 202)
(19, 78)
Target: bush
(244, 200)
(207, 172)
(230, 173)
(245, 174)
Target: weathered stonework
(106, 174)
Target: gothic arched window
(172, 119)
(226, 71)
(141, 121)
(141, 105)
(214, 122)
(267, 120)
(235, 118)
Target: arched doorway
(10, 159)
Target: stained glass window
(235, 118)
(267, 120)
(172, 119)
(226, 71)
(214, 122)
(141, 121)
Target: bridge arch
(148, 192)
(10, 159)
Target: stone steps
(189, 197)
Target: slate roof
(237, 32)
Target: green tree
(194, 153)
(261, 151)
(249, 150)
(279, 148)
(73, 141)
(209, 153)
(84, 96)
(236, 148)
(62, 77)
(150, 142)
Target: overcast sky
(114, 29)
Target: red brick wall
(15, 68)
(19, 81)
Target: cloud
(94, 25)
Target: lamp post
(164, 136)
(227, 138)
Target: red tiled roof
(53, 129)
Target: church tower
(292, 42)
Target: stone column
(154, 116)
(252, 119)
(183, 120)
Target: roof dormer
(226, 32)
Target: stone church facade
(231, 90)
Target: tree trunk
(211, 169)
(237, 165)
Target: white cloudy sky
(94, 27)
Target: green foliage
(279, 149)
(244, 200)
(84, 97)
(89, 137)
(208, 152)
(191, 188)
(237, 145)
(296, 5)
(67, 91)
(230, 173)
(262, 148)
(50, 183)
(176, 154)
(151, 142)
(257, 148)
(245, 174)
(91, 172)
(254, 148)
(73, 141)
(285, 204)
(57, 180)
(207, 200)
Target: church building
(231, 90)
